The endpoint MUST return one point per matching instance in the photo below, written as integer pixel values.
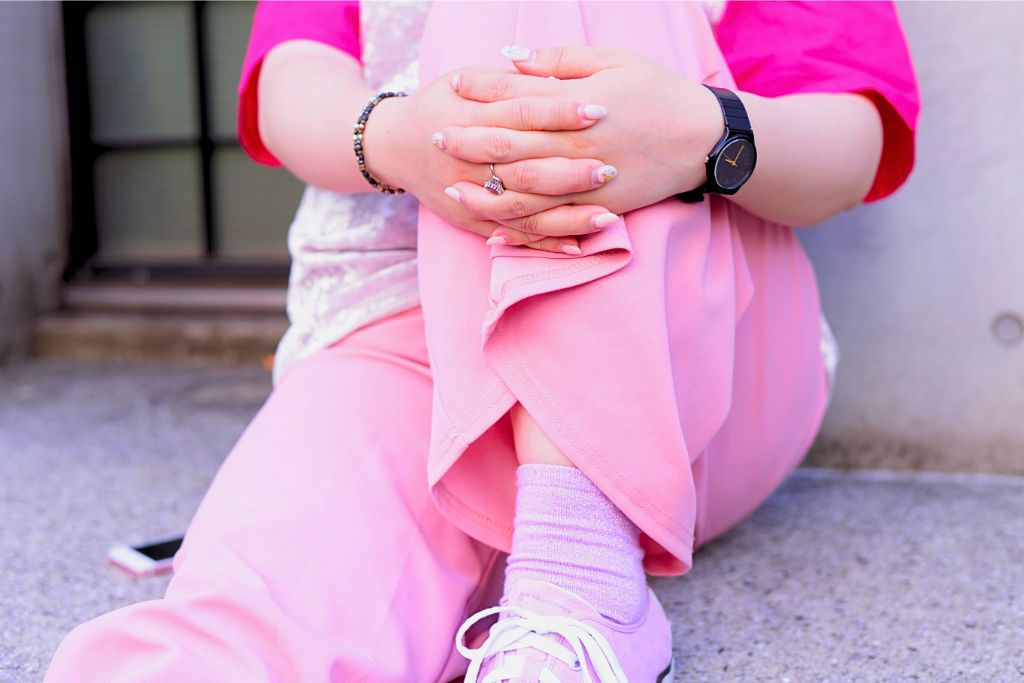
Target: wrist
(700, 137)
(382, 141)
(733, 156)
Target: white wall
(914, 285)
(33, 166)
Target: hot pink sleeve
(780, 48)
(333, 23)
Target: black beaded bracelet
(357, 142)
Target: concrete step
(165, 320)
(838, 577)
(171, 336)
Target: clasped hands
(578, 135)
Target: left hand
(659, 127)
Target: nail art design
(517, 53)
(437, 140)
(604, 174)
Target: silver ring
(494, 185)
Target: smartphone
(149, 559)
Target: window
(159, 182)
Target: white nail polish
(604, 174)
(456, 79)
(592, 111)
(437, 140)
(453, 194)
(517, 53)
(603, 220)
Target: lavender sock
(568, 533)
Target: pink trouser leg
(678, 325)
(317, 554)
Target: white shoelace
(522, 629)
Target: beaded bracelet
(357, 138)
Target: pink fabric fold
(625, 354)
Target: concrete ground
(838, 577)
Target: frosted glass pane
(149, 205)
(141, 62)
(254, 206)
(226, 33)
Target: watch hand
(735, 158)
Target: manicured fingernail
(516, 53)
(456, 79)
(604, 174)
(571, 250)
(457, 196)
(592, 111)
(496, 240)
(437, 140)
(603, 220)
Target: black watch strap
(692, 196)
(736, 121)
(732, 108)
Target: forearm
(310, 97)
(817, 155)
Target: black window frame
(84, 237)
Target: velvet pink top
(773, 48)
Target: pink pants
(318, 554)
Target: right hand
(400, 152)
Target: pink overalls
(676, 362)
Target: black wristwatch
(731, 161)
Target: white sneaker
(546, 634)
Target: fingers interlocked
(533, 139)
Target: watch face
(735, 163)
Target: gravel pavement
(869, 576)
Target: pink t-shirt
(772, 48)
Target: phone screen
(160, 551)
